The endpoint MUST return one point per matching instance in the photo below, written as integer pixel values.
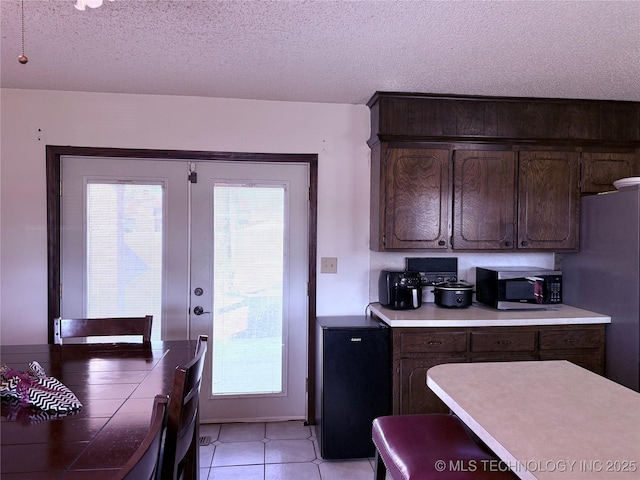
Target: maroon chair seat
(432, 447)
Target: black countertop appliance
(453, 294)
(353, 384)
(400, 290)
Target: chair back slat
(181, 440)
(145, 462)
(98, 327)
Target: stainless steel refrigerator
(605, 276)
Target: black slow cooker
(453, 294)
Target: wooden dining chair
(180, 453)
(145, 462)
(94, 327)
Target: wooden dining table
(545, 420)
(116, 385)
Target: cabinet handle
(503, 342)
(434, 342)
(441, 243)
(507, 244)
(524, 243)
(571, 340)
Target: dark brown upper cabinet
(548, 200)
(484, 199)
(600, 170)
(492, 173)
(410, 200)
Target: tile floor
(272, 451)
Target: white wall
(32, 119)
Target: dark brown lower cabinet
(415, 396)
(416, 350)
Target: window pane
(124, 251)
(248, 289)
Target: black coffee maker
(399, 290)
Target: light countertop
(430, 315)
(547, 420)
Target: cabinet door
(484, 199)
(415, 396)
(548, 200)
(417, 203)
(600, 170)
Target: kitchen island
(432, 335)
(546, 420)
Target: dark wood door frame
(53, 173)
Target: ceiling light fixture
(82, 4)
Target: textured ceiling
(326, 51)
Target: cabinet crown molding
(479, 119)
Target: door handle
(199, 310)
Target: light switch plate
(329, 265)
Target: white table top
(477, 315)
(546, 419)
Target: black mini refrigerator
(353, 384)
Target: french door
(217, 248)
(249, 251)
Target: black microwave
(507, 288)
